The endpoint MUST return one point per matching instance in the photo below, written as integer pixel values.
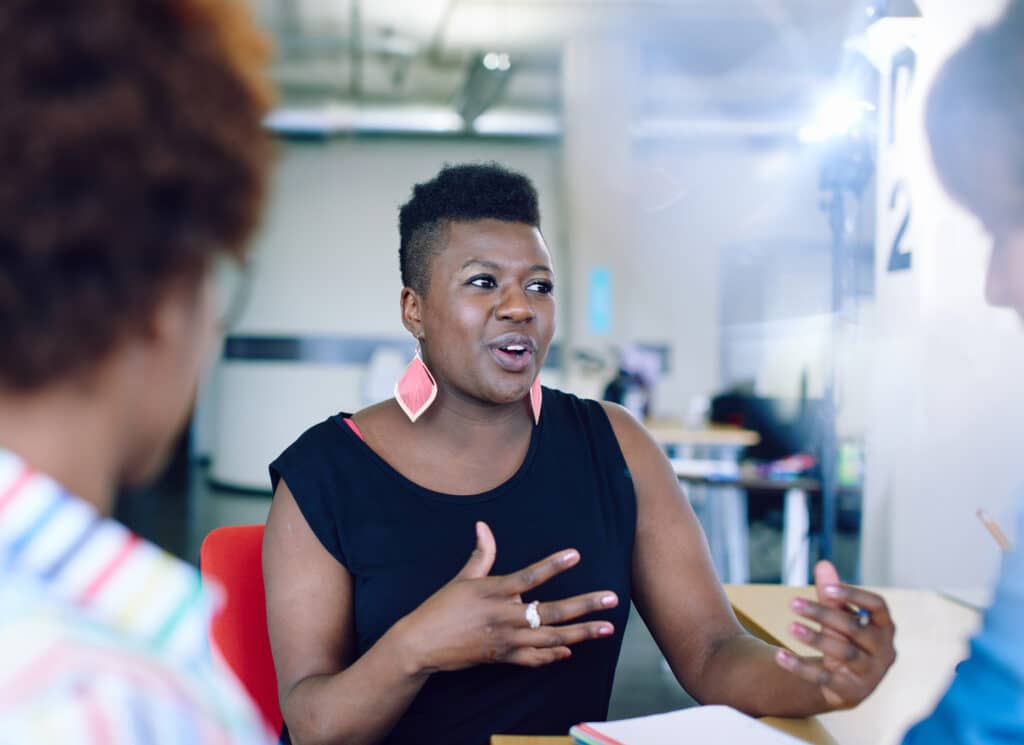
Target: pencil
(994, 529)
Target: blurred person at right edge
(134, 166)
(975, 121)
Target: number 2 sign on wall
(899, 211)
(898, 205)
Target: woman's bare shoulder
(382, 413)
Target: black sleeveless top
(402, 542)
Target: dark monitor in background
(785, 426)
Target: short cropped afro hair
(976, 105)
(459, 193)
(133, 152)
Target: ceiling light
(485, 83)
(497, 61)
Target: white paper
(700, 724)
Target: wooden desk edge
(757, 629)
(727, 436)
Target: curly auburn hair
(470, 191)
(132, 152)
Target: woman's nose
(514, 306)
(998, 287)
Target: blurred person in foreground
(975, 121)
(134, 164)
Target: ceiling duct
(486, 80)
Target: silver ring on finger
(532, 616)
(863, 617)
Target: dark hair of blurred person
(134, 161)
(975, 121)
(133, 155)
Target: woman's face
(1003, 218)
(996, 199)
(170, 360)
(489, 312)
(1004, 286)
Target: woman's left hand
(856, 640)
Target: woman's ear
(412, 312)
(180, 315)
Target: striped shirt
(103, 636)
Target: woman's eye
(483, 280)
(542, 286)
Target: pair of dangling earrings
(416, 390)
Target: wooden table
(670, 433)
(796, 525)
(931, 638)
(714, 453)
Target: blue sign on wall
(599, 301)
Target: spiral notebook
(700, 724)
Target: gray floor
(643, 684)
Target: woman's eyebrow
(493, 265)
(482, 262)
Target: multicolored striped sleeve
(66, 690)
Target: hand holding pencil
(997, 534)
(855, 638)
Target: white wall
(327, 255)
(695, 200)
(944, 425)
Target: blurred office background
(741, 209)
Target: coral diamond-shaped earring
(536, 395)
(416, 390)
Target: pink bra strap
(352, 426)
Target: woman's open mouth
(513, 354)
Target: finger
(561, 611)
(537, 574)
(871, 602)
(825, 575)
(532, 657)
(843, 685)
(561, 636)
(482, 558)
(841, 622)
(835, 648)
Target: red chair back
(233, 556)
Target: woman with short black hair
(384, 632)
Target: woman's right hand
(476, 619)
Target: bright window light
(838, 116)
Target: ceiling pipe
(324, 122)
(356, 52)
